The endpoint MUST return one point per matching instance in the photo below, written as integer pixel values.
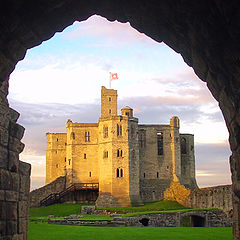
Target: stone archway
(205, 33)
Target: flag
(113, 76)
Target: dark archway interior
(144, 221)
(197, 221)
(205, 33)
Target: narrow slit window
(183, 145)
(157, 174)
(90, 174)
(85, 156)
(160, 143)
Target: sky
(61, 79)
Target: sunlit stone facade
(131, 162)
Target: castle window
(56, 165)
(57, 139)
(65, 159)
(90, 174)
(105, 154)
(105, 132)
(85, 156)
(119, 173)
(87, 136)
(144, 175)
(119, 153)
(160, 143)
(109, 99)
(110, 110)
(73, 135)
(183, 145)
(119, 130)
(157, 174)
(142, 138)
(133, 153)
(127, 114)
(69, 161)
(132, 131)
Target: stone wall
(14, 174)
(216, 218)
(54, 187)
(212, 197)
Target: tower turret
(108, 102)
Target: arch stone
(205, 33)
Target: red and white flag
(113, 76)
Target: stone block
(3, 157)
(11, 227)
(5, 180)
(23, 209)
(16, 130)
(24, 184)
(24, 168)
(22, 226)
(15, 145)
(88, 209)
(4, 120)
(4, 137)
(14, 115)
(11, 211)
(11, 196)
(2, 195)
(2, 228)
(3, 211)
(15, 182)
(13, 163)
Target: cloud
(112, 32)
(212, 164)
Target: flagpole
(110, 80)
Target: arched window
(87, 136)
(119, 130)
(119, 153)
(121, 172)
(105, 131)
(183, 145)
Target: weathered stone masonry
(205, 33)
(14, 174)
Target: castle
(131, 163)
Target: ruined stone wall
(212, 197)
(187, 161)
(14, 174)
(37, 195)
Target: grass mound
(58, 210)
(66, 209)
(164, 205)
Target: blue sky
(61, 79)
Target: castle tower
(55, 156)
(108, 102)
(175, 147)
(118, 155)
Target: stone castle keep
(129, 162)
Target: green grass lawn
(66, 209)
(58, 210)
(44, 231)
